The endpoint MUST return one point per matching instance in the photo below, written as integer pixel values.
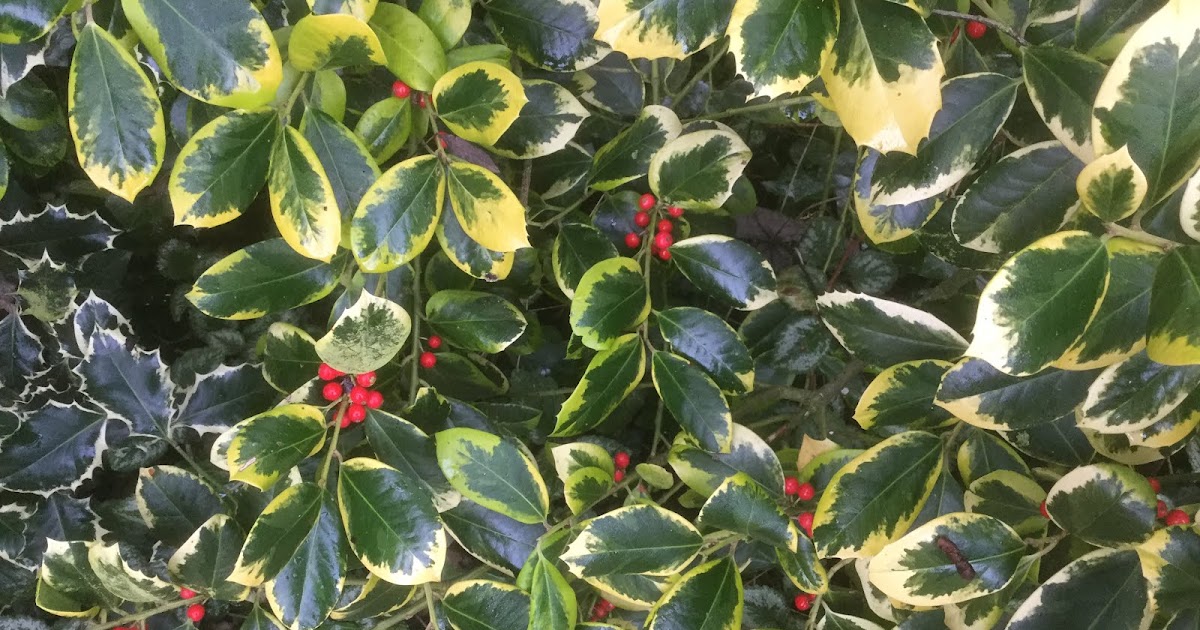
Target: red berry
(400, 89)
(435, 342)
(1161, 509)
(954, 35)
(791, 486)
(619, 476)
(599, 611)
(664, 254)
(356, 413)
(186, 593)
(803, 602)
(633, 241)
(646, 201)
(375, 400)
(195, 612)
(621, 459)
(1045, 513)
(606, 605)
(665, 225)
(420, 99)
(641, 219)
(331, 391)
(805, 520)
(976, 29)
(806, 492)
(663, 240)
(346, 421)
(1178, 517)
(366, 379)
(359, 394)
(428, 360)
(1155, 483)
(327, 373)
(675, 211)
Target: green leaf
(376, 598)
(297, 514)
(174, 503)
(1104, 504)
(306, 589)
(207, 558)
(470, 257)
(222, 168)
(302, 199)
(361, 9)
(266, 277)
(983, 453)
(779, 46)
(1062, 85)
(551, 599)
(1144, 104)
(573, 457)
(902, 397)
(221, 52)
(323, 42)
(742, 506)
(660, 28)
(577, 248)
(218, 399)
(979, 394)
(884, 333)
(495, 539)
(401, 445)
(347, 163)
(126, 576)
(613, 85)
(655, 476)
(726, 268)
(494, 473)
(781, 337)
(611, 299)
(448, 19)
(479, 101)
(610, 376)
(876, 497)
(115, 117)
(1136, 393)
(838, 621)
(644, 539)
(1040, 302)
(709, 596)
(30, 19)
(1175, 296)
(547, 122)
(385, 126)
(265, 447)
(709, 342)
(554, 35)
(486, 605)
(1171, 564)
(366, 336)
(1104, 588)
(628, 155)
(694, 400)
(883, 75)
(474, 321)
(413, 52)
(22, 352)
(55, 447)
(1113, 186)
(391, 522)
(75, 587)
(1011, 497)
(398, 214)
(803, 566)
(289, 357)
(697, 170)
(1028, 194)
(704, 471)
(585, 486)
(486, 208)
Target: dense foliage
(552, 314)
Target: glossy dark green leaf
(1104, 504)
(321, 42)
(55, 447)
(554, 35)
(742, 506)
(708, 596)
(610, 300)
(493, 472)
(709, 342)
(55, 231)
(637, 539)
(694, 400)
(610, 376)
(174, 503)
(266, 446)
(75, 587)
(613, 85)
(577, 248)
(781, 337)
(222, 398)
(698, 170)
(803, 567)
(728, 269)
(492, 537)
(1059, 441)
(486, 605)
(1104, 588)
(20, 352)
(1173, 303)
(474, 321)
(207, 558)
(884, 333)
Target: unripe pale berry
(647, 201)
(331, 391)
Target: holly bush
(684, 315)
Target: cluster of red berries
(195, 612)
(621, 460)
(601, 610)
(400, 89)
(427, 358)
(1168, 516)
(359, 393)
(662, 238)
(803, 601)
(804, 492)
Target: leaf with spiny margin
(221, 398)
(289, 357)
(486, 208)
(56, 231)
(628, 155)
(742, 506)
(902, 398)
(610, 376)
(174, 503)
(401, 445)
(479, 101)
(577, 248)
(1010, 496)
(493, 472)
(474, 321)
(266, 446)
(207, 557)
(20, 352)
(694, 400)
(1107, 505)
(728, 269)
(554, 35)
(709, 595)
(413, 52)
(1104, 588)
(222, 168)
(709, 342)
(697, 170)
(884, 333)
(47, 289)
(610, 300)
(1174, 302)
(56, 447)
(365, 336)
(1062, 86)
(398, 215)
(486, 605)
(321, 42)
(661, 28)
(645, 539)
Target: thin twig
(996, 24)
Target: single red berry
(435, 342)
(665, 225)
(428, 360)
(675, 211)
(641, 219)
(1045, 512)
(1178, 517)
(976, 29)
(619, 476)
(331, 391)
(663, 254)
(441, 136)
(359, 394)
(607, 605)
(400, 89)
(806, 492)
(633, 241)
(195, 612)
(1161, 509)
(422, 102)
(646, 201)
(327, 373)
(346, 421)
(366, 379)
(621, 459)
(662, 240)
(791, 486)
(599, 611)
(1155, 483)
(356, 413)
(805, 520)
(375, 400)
(186, 593)
(803, 602)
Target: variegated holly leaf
(610, 376)
(398, 214)
(1062, 85)
(47, 290)
(983, 453)
(902, 398)
(1105, 504)
(610, 300)
(780, 336)
(1112, 187)
(547, 122)
(884, 333)
(644, 539)
(853, 519)
(1136, 393)
(21, 352)
(495, 539)
(222, 168)
(205, 560)
(376, 598)
(365, 336)
(347, 163)
(486, 208)
(289, 357)
(469, 256)
(551, 598)
(67, 585)
(448, 19)
(57, 232)
(658, 28)
(697, 170)
(709, 342)
(694, 400)
(174, 503)
(266, 277)
(979, 394)
(223, 397)
(56, 447)
(1104, 588)
(302, 199)
(1171, 564)
(1173, 302)
(577, 248)
(391, 522)
(704, 471)
(384, 127)
(628, 155)
(401, 445)
(266, 446)
(803, 567)
(479, 101)
(413, 51)
(575, 456)
(494, 473)
(585, 486)
(780, 45)
(742, 506)
(554, 35)
(710, 594)
(321, 42)
(474, 321)
(126, 575)
(949, 560)
(222, 52)
(613, 85)
(727, 268)
(1010, 496)
(30, 20)
(486, 605)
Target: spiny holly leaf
(222, 398)
(56, 447)
(55, 231)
